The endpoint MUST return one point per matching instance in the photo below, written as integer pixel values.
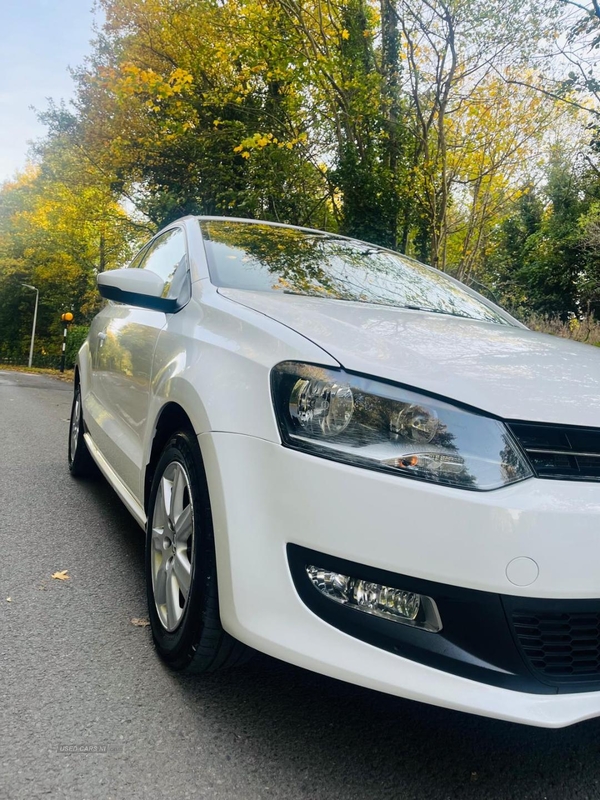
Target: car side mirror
(136, 287)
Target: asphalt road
(75, 671)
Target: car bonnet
(507, 371)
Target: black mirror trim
(169, 306)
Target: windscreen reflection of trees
(265, 258)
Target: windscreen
(267, 258)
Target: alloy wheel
(75, 417)
(172, 545)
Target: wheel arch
(172, 417)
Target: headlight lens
(321, 407)
(377, 425)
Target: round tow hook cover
(522, 571)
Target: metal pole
(64, 348)
(35, 311)
(37, 297)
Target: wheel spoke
(163, 501)
(183, 525)
(160, 583)
(177, 490)
(173, 609)
(158, 537)
(182, 570)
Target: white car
(348, 460)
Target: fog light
(408, 608)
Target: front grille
(560, 451)
(562, 646)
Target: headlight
(372, 424)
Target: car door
(124, 361)
(98, 423)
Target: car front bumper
(533, 546)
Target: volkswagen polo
(350, 461)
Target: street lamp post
(37, 297)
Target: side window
(135, 262)
(167, 257)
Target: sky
(39, 41)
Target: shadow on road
(375, 745)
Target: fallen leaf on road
(140, 623)
(62, 575)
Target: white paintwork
(411, 527)
(213, 358)
(133, 505)
(133, 280)
(522, 571)
(508, 371)
(464, 537)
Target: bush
(76, 337)
(581, 330)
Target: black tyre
(81, 464)
(181, 574)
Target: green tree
(59, 226)
(544, 257)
